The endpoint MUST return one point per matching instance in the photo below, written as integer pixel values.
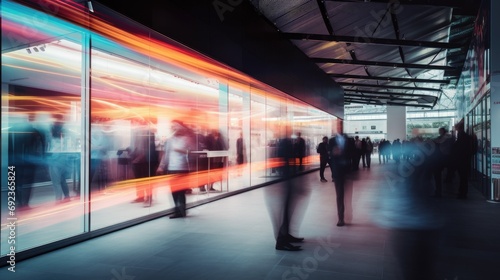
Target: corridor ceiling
(382, 52)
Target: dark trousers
(284, 229)
(338, 174)
(367, 159)
(323, 162)
(340, 190)
(179, 197)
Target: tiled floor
(233, 238)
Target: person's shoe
(175, 216)
(137, 200)
(213, 190)
(287, 247)
(324, 180)
(292, 239)
(340, 224)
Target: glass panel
(239, 136)
(488, 135)
(258, 143)
(42, 133)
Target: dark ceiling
(381, 52)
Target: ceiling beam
(384, 64)
(388, 99)
(378, 102)
(369, 40)
(389, 79)
(326, 18)
(462, 7)
(387, 87)
(380, 93)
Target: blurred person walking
(442, 153)
(284, 200)
(339, 165)
(176, 160)
(58, 161)
(462, 151)
(368, 152)
(412, 217)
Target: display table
(211, 155)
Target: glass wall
(43, 136)
(88, 115)
(478, 126)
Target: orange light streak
(120, 192)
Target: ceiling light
(91, 8)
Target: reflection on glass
(41, 127)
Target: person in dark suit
(283, 200)
(461, 154)
(324, 158)
(300, 149)
(339, 165)
(240, 150)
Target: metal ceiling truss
(371, 40)
(375, 89)
(384, 64)
(389, 79)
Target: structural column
(396, 123)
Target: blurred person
(58, 161)
(396, 150)
(368, 152)
(381, 147)
(176, 160)
(144, 160)
(441, 158)
(412, 217)
(462, 151)
(283, 200)
(300, 149)
(358, 151)
(99, 147)
(363, 151)
(339, 165)
(26, 153)
(324, 158)
(240, 151)
(387, 150)
(350, 151)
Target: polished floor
(233, 238)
